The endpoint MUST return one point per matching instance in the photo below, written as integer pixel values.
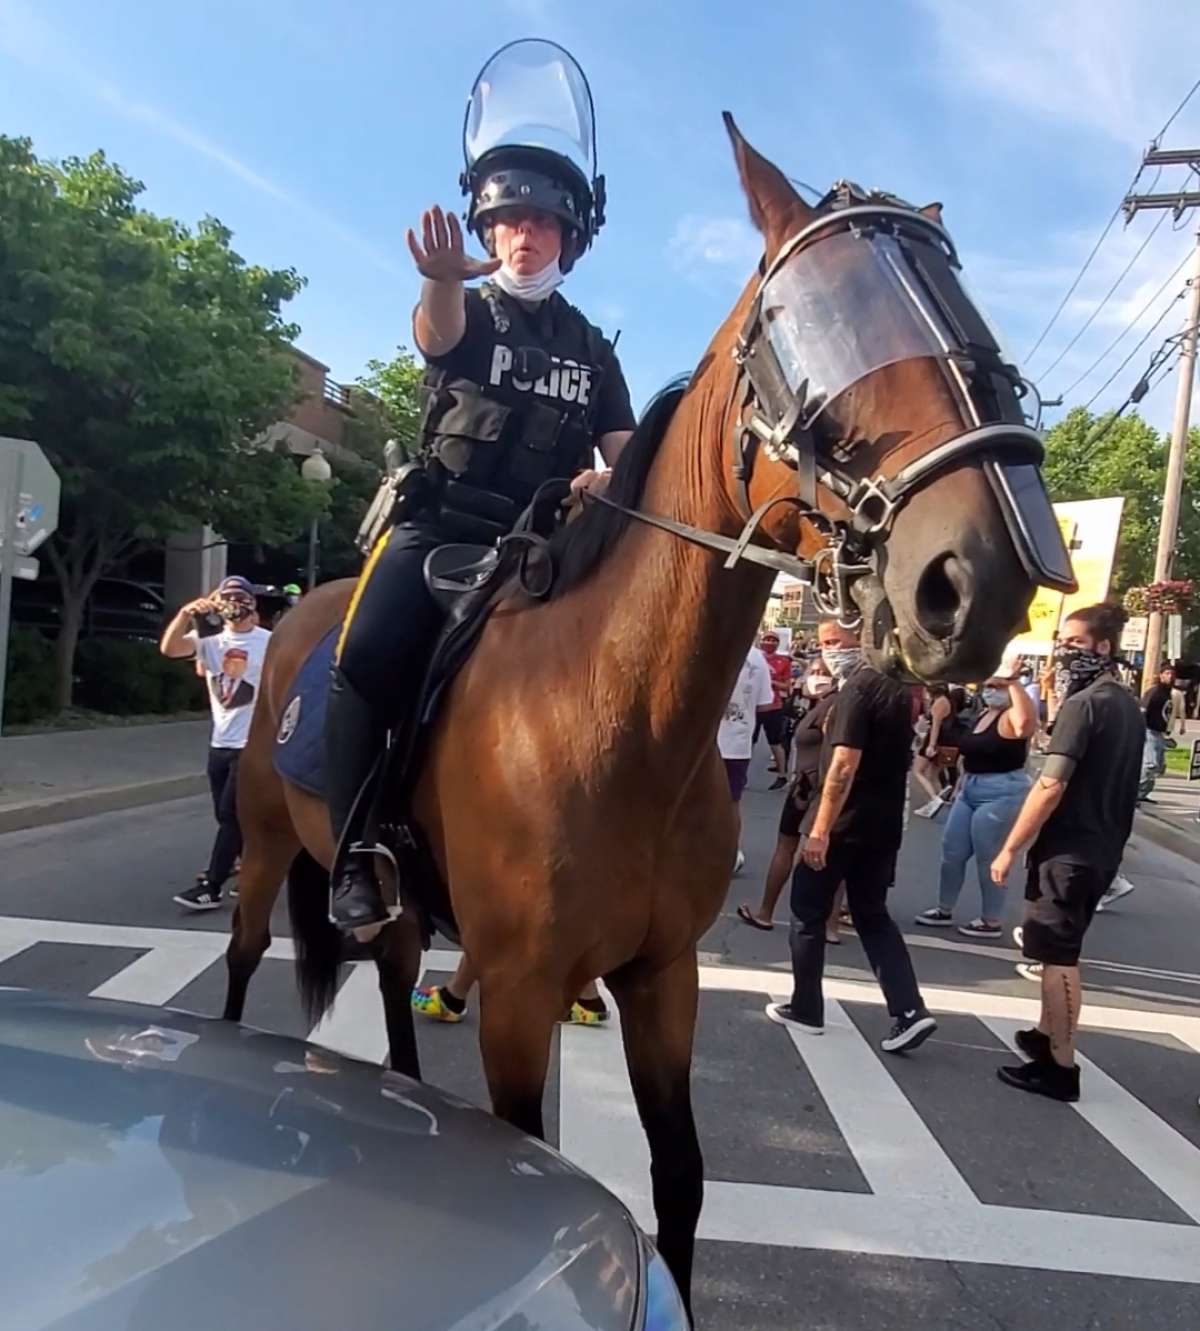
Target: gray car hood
(167, 1172)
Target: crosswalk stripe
(158, 975)
(354, 1025)
(898, 1155)
(1167, 1159)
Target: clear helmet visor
(531, 94)
(842, 308)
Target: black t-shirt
(1102, 729)
(489, 356)
(871, 713)
(1156, 703)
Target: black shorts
(795, 807)
(1062, 898)
(773, 724)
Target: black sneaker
(782, 1015)
(1048, 1079)
(201, 897)
(1033, 1044)
(908, 1031)
(778, 783)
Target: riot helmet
(529, 141)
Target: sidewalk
(1171, 820)
(61, 775)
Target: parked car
(160, 1169)
(117, 608)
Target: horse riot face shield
(870, 283)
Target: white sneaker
(1118, 888)
(1030, 970)
(930, 809)
(740, 862)
(1018, 935)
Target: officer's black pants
(392, 624)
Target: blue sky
(319, 131)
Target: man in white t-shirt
(221, 631)
(751, 695)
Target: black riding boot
(353, 740)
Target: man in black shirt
(1157, 703)
(1078, 817)
(853, 834)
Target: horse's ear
(775, 207)
(933, 211)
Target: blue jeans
(980, 818)
(1154, 761)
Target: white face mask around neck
(529, 286)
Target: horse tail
(318, 944)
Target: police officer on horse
(519, 388)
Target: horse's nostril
(938, 597)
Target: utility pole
(1168, 526)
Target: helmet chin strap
(529, 286)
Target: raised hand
(440, 255)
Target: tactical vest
(488, 446)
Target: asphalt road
(846, 1189)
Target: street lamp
(316, 471)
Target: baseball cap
(237, 584)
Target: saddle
(467, 582)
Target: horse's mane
(582, 545)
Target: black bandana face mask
(1084, 667)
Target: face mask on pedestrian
(816, 686)
(1083, 666)
(234, 609)
(842, 662)
(993, 697)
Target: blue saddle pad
(300, 739)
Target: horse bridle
(773, 415)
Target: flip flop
(746, 916)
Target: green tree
(145, 357)
(386, 404)
(1091, 457)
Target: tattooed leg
(1062, 999)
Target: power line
(1112, 346)
(1107, 297)
(1141, 342)
(1107, 228)
(1171, 118)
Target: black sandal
(746, 916)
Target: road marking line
(158, 975)
(14, 946)
(598, 1125)
(21, 932)
(1152, 1146)
(898, 1155)
(989, 1235)
(354, 1025)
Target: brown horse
(572, 794)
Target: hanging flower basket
(1167, 598)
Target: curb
(104, 799)
(1167, 836)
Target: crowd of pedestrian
(856, 737)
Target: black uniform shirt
(578, 380)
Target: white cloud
(1113, 66)
(701, 245)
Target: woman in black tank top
(993, 752)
